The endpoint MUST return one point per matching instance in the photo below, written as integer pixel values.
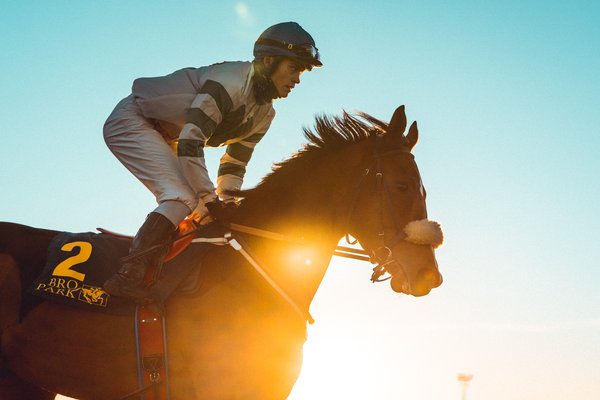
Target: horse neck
(311, 205)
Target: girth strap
(151, 349)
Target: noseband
(382, 256)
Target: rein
(340, 251)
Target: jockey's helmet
(288, 39)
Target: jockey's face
(286, 75)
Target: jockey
(160, 130)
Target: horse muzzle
(414, 269)
(411, 260)
(421, 273)
(426, 280)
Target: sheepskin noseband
(424, 232)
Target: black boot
(129, 281)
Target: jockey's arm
(201, 121)
(233, 165)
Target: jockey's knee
(174, 210)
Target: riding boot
(129, 280)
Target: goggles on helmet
(304, 51)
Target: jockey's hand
(222, 212)
(201, 214)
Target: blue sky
(507, 99)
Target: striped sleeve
(204, 115)
(233, 165)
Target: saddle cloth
(78, 264)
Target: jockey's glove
(222, 212)
(200, 214)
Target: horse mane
(330, 135)
(333, 132)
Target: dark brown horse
(235, 338)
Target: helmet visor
(305, 51)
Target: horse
(234, 337)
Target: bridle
(381, 256)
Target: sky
(506, 95)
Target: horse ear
(398, 123)
(412, 137)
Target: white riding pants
(147, 155)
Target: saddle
(78, 264)
(184, 237)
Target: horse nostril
(425, 280)
(398, 284)
(430, 277)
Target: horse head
(389, 212)
(355, 175)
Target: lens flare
(301, 256)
